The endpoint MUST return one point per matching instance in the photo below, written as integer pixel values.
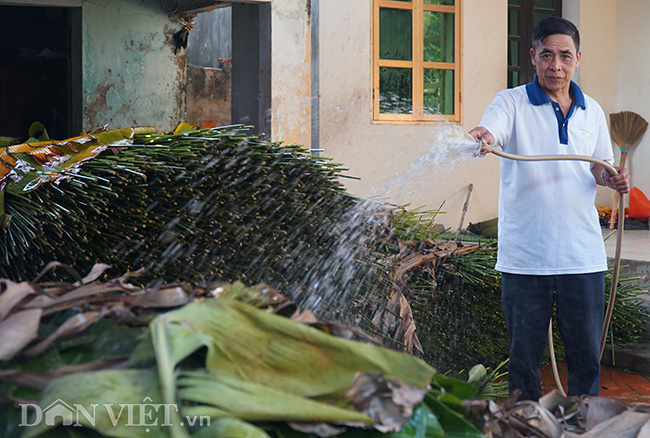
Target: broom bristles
(627, 127)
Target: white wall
(632, 63)
(598, 71)
(382, 153)
(291, 71)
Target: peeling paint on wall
(131, 75)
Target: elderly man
(550, 243)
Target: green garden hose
(617, 255)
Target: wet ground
(629, 387)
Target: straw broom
(627, 128)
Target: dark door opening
(235, 42)
(40, 64)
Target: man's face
(555, 60)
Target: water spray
(617, 256)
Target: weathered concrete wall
(130, 73)
(209, 94)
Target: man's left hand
(620, 182)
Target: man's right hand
(484, 137)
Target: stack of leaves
(198, 205)
(225, 363)
(192, 205)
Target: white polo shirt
(548, 223)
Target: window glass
(438, 37)
(439, 2)
(549, 4)
(539, 16)
(416, 60)
(395, 90)
(523, 16)
(395, 34)
(513, 53)
(438, 91)
(513, 22)
(513, 78)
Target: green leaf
(463, 390)
(423, 423)
(229, 428)
(256, 402)
(477, 374)
(37, 132)
(259, 347)
(454, 425)
(123, 403)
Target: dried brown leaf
(402, 328)
(74, 297)
(97, 270)
(167, 296)
(73, 325)
(322, 430)
(18, 330)
(601, 409)
(628, 424)
(13, 294)
(387, 401)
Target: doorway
(229, 67)
(40, 70)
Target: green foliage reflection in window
(416, 67)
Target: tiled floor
(627, 387)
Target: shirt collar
(536, 95)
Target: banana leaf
(258, 347)
(118, 403)
(230, 428)
(255, 402)
(24, 167)
(28, 165)
(259, 367)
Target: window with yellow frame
(416, 60)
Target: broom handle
(614, 209)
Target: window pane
(395, 90)
(539, 16)
(438, 91)
(438, 37)
(513, 2)
(513, 53)
(513, 21)
(439, 2)
(513, 79)
(549, 4)
(395, 34)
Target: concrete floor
(635, 245)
